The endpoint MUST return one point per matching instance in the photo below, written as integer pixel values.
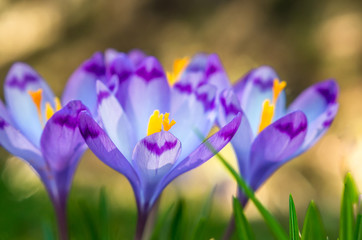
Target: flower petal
(61, 143)
(17, 144)
(255, 87)
(315, 100)
(136, 56)
(115, 121)
(82, 84)
(103, 147)
(274, 145)
(242, 140)
(198, 113)
(21, 79)
(153, 157)
(121, 68)
(215, 73)
(204, 151)
(148, 91)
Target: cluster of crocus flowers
(150, 125)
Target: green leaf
(48, 232)
(242, 225)
(293, 221)
(358, 230)
(103, 214)
(88, 220)
(202, 220)
(349, 199)
(272, 223)
(160, 225)
(313, 228)
(176, 231)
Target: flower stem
(141, 224)
(61, 214)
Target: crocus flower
(35, 127)
(137, 137)
(269, 134)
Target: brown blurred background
(305, 41)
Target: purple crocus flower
(34, 127)
(269, 134)
(146, 147)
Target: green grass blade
(349, 199)
(161, 225)
(272, 223)
(243, 229)
(313, 228)
(103, 214)
(202, 220)
(293, 221)
(176, 231)
(358, 230)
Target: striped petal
(274, 145)
(115, 121)
(82, 84)
(253, 89)
(21, 79)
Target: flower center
(158, 120)
(37, 97)
(179, 66)
(268, 110)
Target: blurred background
(305, 41)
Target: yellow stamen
(158, 120)
(37, 97)
(58, 105)
(166, 122)
(266, 115)
(277, 89)
(49, 111)
(179, 66)
(155, 123)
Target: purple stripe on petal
(263, 84)
(22, 82)
(328, 90)
(88, 132)
(95, 65)
(154, 148)
(289, 128)
(183, 88)
(3, 123)
(150, 69)
(101, 96)
(69, 114)
(206, 95)
(230, 108)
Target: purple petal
(154, 156)
(253, 89)
(215, 73)
(315, 100)
(17, 144)
(115, 121)
(204, 151)
(122, 69)
(82, 84)
(21, 79)
(198, 112)
(103, 147)
(274, 145)
(229, 108)
(136, 56)
(148, 91)
(61, 143)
